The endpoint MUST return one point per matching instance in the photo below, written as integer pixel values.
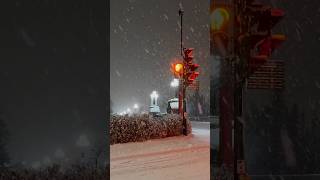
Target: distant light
(174, 83)
(178, 67)
(128, 110)
(154, 94)
(135, 106)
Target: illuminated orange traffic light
(178, 68)
(219, 18)
(220, 28)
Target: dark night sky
(53, 75)
(145, 38)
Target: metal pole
(181, 41)
(184, 109)
(235, 94)
(183, 87)
(238, 101)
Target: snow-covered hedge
(135, 128)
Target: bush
(54, 172)
(136, 128)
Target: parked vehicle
(173, 106)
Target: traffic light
(220, 28)
(190, 70)
(258, 41)
(220, 17)
(191, 76)
(177, 69)
(188, 54)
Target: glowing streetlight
(154, 94)
(174, 83)
(136, 108)
(154, 98)
(154, 108)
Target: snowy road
(173, 158)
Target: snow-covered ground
(174, 158)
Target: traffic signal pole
(187, 76)
(239, 82)
(239, 163)
(223, 47)
(181, 41)
(182, 86)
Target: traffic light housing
(190, 73)
(258, 40)
(188, 54)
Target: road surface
(174, 158)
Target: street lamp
(154, 108)
(174, 83)
(154, 98)
(154, 95)
(135, 108)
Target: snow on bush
(135, 128)
(54, 172)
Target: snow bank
(136, 128)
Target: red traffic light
(193, 67)
(188, 54)
(267, 45)
(273, 16)
(193, 76)
(258, 37)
